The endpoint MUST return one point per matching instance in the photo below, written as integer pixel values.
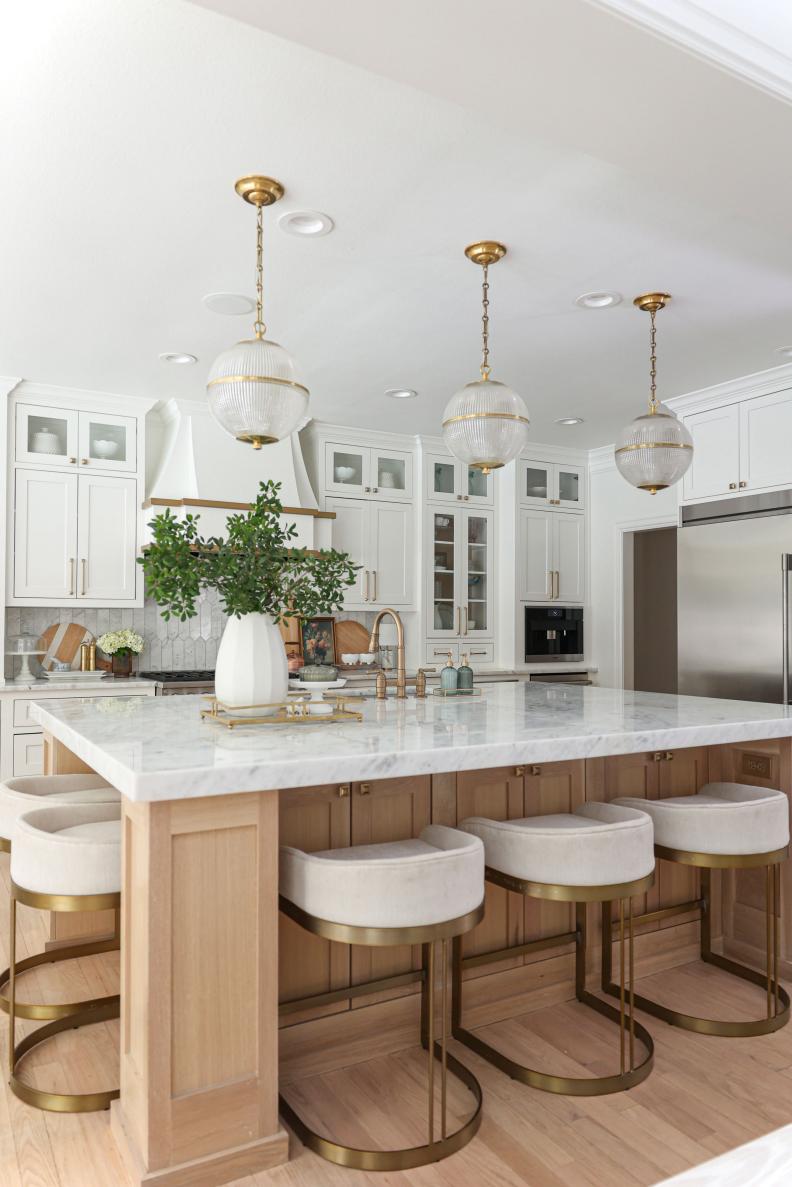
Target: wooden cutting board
(61, 641)
(350, 637)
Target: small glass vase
(122, 665)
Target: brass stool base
(778, 1002)
(629, 1028)
(64, 1102)
(39, 1011)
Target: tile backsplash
(168, 645)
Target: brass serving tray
(456, 692)
(295, 711)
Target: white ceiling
(602, 155)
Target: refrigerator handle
(786, 565)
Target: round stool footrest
(39, 1011)
(65, 1102)
(393, 1160)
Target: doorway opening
(650, 610)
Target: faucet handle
(420, 681)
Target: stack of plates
(74, 674)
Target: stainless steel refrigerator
(733, 567)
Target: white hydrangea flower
(111, 642)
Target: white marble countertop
(118, 685)
(158, 748)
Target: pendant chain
(653, 363)
(485, 368)
(259, 326)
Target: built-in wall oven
(553, 632)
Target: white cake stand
(25, 673)
(317, 706)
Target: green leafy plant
(255, 567)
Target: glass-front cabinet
(551, 484)
(358, 471)
(66, 437)
(451, 481)
(460, 573)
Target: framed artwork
(317, 640)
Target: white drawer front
(478, 653)
(28, 754)
(437, 653)
(22, 718)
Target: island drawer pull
(519, 772)
(343, 791)
(365, 789)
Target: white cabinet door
(350, 534)
(442, 478)
(476, 586)
(106, 537)
(45, 535)
(715, 469)
(391, 554)
(475, 486)
(535, 555)
(108, 442)
(28, 754)
(765, 434)
(569, 561)
(47, 435)
(390, 474)
(536, 482)
(569, 487)
(347, 469)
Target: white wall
(615, 507)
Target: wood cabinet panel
(312, 818)
(388, 810)
(682, 774)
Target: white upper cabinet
(106, 532)
(551, 551)
(715, 469)
(67, 437)
(378, 536)
(551, 484)
(358, 471)
(451, 481)
(459, 572)
(740, 447)
(45, 554)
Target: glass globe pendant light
(253, 391)
(486, 423)
(655, 449)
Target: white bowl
(366, 657)
(344, 472)
(350, 657)
(104, 448)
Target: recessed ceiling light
(570, 420)
(229, 304)
(178, 357)
(306, 222)
(786, 351)
(401, 393)
(598, 300)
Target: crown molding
(600, 459)
(321, 430)
(761, 383)
(68, 396)
(705, 35)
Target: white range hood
(203, 471)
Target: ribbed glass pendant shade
(485, 424)
(654, 450)
(254, 393)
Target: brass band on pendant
(259, 379)
(452, 420)
(654, 445)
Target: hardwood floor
(705, 1096)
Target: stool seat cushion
(70, 849)
(430, 879)
(37, 791)
(722, 818)
(596, 845)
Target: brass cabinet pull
(83, 461)
(375, 490)
(343, 791)
(482, 651)
(732, 486)
(367, 489)
(556, 584)
(365, 789)
(459, 620)
(519, 771)
(459, 498)
(743, 484)
(72, 460)
(663, 756)
(72, 586)
(84, 565)
(466, 498)
(669, 756)
(536, 770)
(366, 594)
(374, 578)
(549, 583)
(464, 611)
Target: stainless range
(181, 683)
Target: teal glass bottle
(449, 677)
(464, 676)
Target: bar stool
(608, 852)
(65, 858)
(24, 794)
(406, 892)
(725, 826)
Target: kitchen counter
(160, 749)
(118, 686)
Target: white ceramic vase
(251, 664)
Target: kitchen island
(203, 810)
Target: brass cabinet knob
(536, 770)
(83, 461)
(743, 485)
(365, 789)
(73, 460)
(732, 486)
(669, 756)
(343, 791)
(519, 771)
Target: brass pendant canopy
(655, 450)
(253, 390)
(485, 424)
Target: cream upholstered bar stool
(598, 853)
(725, 826)
(63, 858)
(25, 794)
(420, 891)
